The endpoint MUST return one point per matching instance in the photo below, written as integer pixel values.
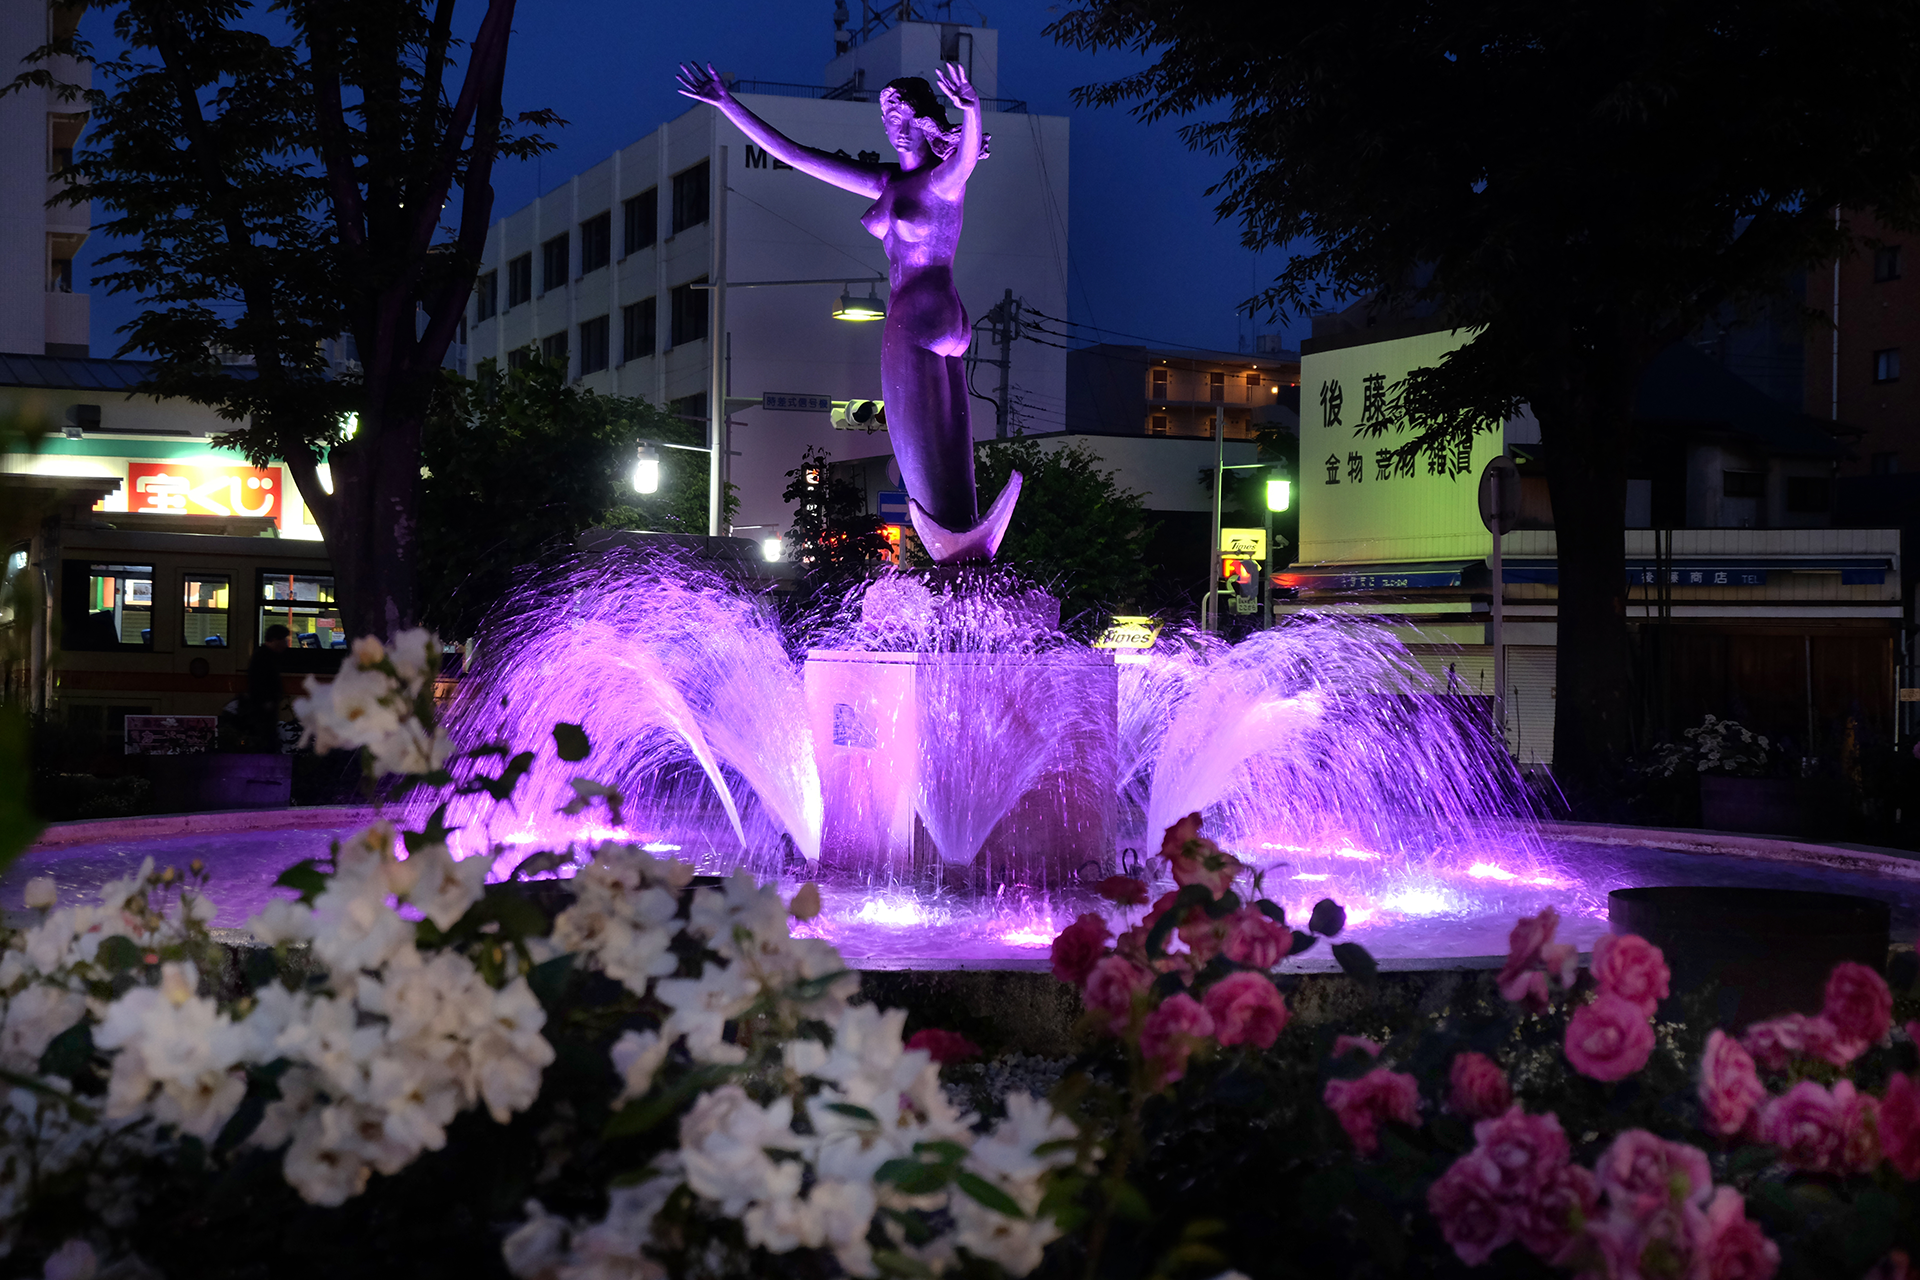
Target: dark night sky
(1148, 256)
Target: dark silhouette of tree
(1576, 185)
(276, 194)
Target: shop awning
(1698, 571)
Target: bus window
(106, 606)
(9, 583)
(303, 604)
(203, 618)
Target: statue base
(986, 768)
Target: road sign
(796, 402)
(1248, 544)
(1500, 495)
(893, 506)
(1129, 633)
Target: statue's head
(911, 110)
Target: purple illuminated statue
(916, 213)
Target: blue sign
(794, 402)
(893, 507)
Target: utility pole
(1005, 317)
(1210, 610)
(718, 350)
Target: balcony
(67, 316)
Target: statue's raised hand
(703, 85)
(959, 90)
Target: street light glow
(1279, 495)
(867, 308)
(646, 471)
(770, 549)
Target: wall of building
(35, 317)
(1874, 316)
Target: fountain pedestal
(1001, 763)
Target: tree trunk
(373, 542)
(1587, 434)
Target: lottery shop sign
(194, 489)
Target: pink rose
(1776, 1042)
(1628, 966)
(1859, 1127)
(1204, 935)
(1125, 890)
(1561, 961)
(1524, 1150)
(1729, 1086)
(1344, 1045)
(1554, 1221)
(1246, 1009)
(1808, 1124)
(1112, 986)
(1079, 947)
(1524, 946)
(1609, 1039)
(1733, 1247)
(1360, 1105)
(1641, 1246)
(1900, 1125)
(1171, 1033)
(1471, 1218)
(943, 1046)
(1858, 1003)
(1256, 941)
(1641, 1171)
(1478, 1088)
(1197, 860)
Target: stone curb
(157, 826)
(1891, 864)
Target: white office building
(43, 314)
(602, 270)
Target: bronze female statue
(916, 213)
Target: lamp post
(848, 308)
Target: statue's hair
(914, 95)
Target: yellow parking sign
(1247, 544)
(1129, 633)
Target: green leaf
(69, 1052)
(1127, 1201)
(570, 741)
(1328, 918)
(1189, 897)
(259, 968)
(979, 1189)
(914, 1177)
(548, 980)
(304, 878)
(642, 1115)
(501, 788)
(1302, 942)
(853, 1111)
(1355, 959)
(951, 1152)
(1272, 911)
(118, 953)
(893, 1263)
(435, 832)
(1224, 905)
(814, 988)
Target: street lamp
(867, 308)
(1279, 495)
(646, 470)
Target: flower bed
(642, 1074)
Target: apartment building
(45, 314)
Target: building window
(1886, 365)
(104, 606)
(1253, 380)
(1886, 263)
(688, 320)
(642, 215)
(637, 330)
(203, 620)
(555, 255)
(1743, 484)
(60, 275)
(1157, 425)
(1809, 495)
(596, 243)
(691, 408)
(519, 279)
(1216, 387)
(486, 296)
(1884, 464)
(1159, 383)
(553, 349)
(593, 345)
(690, 197)
(304, 605)
(517, 357)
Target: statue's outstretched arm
(860, 177)
(950, 178)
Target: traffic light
(859, 415)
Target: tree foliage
(1577, 185)
(831, 538)
(522, 462)
(278, 178)
(1073, 528)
